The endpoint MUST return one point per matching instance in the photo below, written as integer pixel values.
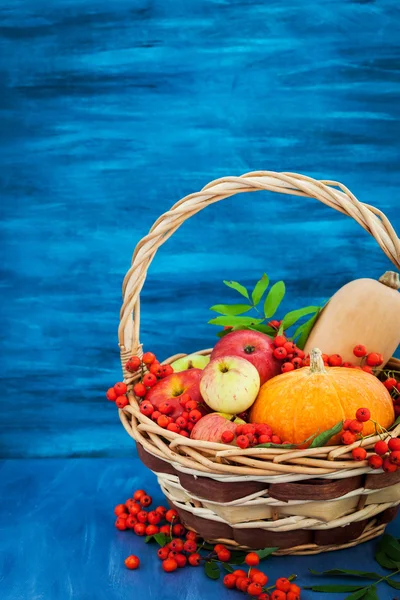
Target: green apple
(191, 361)
(229, 384)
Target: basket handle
(342, 200)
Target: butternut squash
(364, 311)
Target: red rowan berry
(359, 453)
(242, 584)
(176, 544)
(142, 516)
(292, 596)
(258, 577)
(282, 584)
(120, 509)
(363, 415)
(375, 461)
(390, 383)
(146, 408)
(381, 447)
(153, 517)
(190, 546)
(374, 359)
(278, 595)
(280, 341)
(252, 559)
(287, 367)
(264, 596)
(169, 565)
(181, 560)
(239, 573)
(346, 424)
(254, 589)
(274, 324)
(191, 405)
(178, 530)
(121, 401)
(149, 380)
(194, 559)
(356, 426)
(139, 390)
(242, 441)
(162, 421)
(132, 562)
(155, 415)
(145, 500)
(162, 553)
(348, 365)
(111, 395)
(148, 358)
(348, 438)
(229, 581)
(171, 516)
(224, 555)
(367, 369)
(120, 523)
(264, 439)
(120, 388)
(335, 360)
(181, 422)
(161, 510)
(289, 347)
(389, 466)
(166, 370)
(297, 363)
(227, 436)
(191, 535)
(140, 529)
(152, 529)
(138, 494)
(155, 369)
(275, 439)
(131, 521)
(166, 408)
(173, 427)
(394, 457)
(263, 429)
(359, 351)
(280, 353)
(394, 444)
(165, 529)
(134, 508)
(194, 416)
(132, 364)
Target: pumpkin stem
(316, 361)
(391, 279)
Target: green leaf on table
(225, 320)
(384, 561)
(334, 588)
(394, 584)
(357, 595)
(212, 570)
(161, 539)
(325, 436)
(294, 315)
(238, 287)
(259, 289)
(390, 546)
(274, 298)
(265, 552)
(231, 309)
(371, 594)
(227, 567)
(304, 330)
(344, 572)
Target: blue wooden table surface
(109, 113)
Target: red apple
(255, 347)
(173, 386)
(211, 427)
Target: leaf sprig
(387, 556)
(263, 307)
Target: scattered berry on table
(194, 559)
(252, 559)
(132, 562)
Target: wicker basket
(301, 501)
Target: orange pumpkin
(313, 399)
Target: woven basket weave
(301, 501)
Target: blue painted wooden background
(109, 113)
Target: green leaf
(265, 552)
(234, 321)
(360, 594)
(212, 570)
(393, 584)
(274, 298)
(371, 594)
(259, 289)
(384, 561)
(238, 287)
(223, 332)
(302, 332)
(231, 309)
(162, 539)
(325, 436)
(397, 422)
(334, 588)
(293, 316)
(390, 546)
(264, 329)
(227, 567)
(344, 572)
(271, 445)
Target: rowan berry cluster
(251, 434)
